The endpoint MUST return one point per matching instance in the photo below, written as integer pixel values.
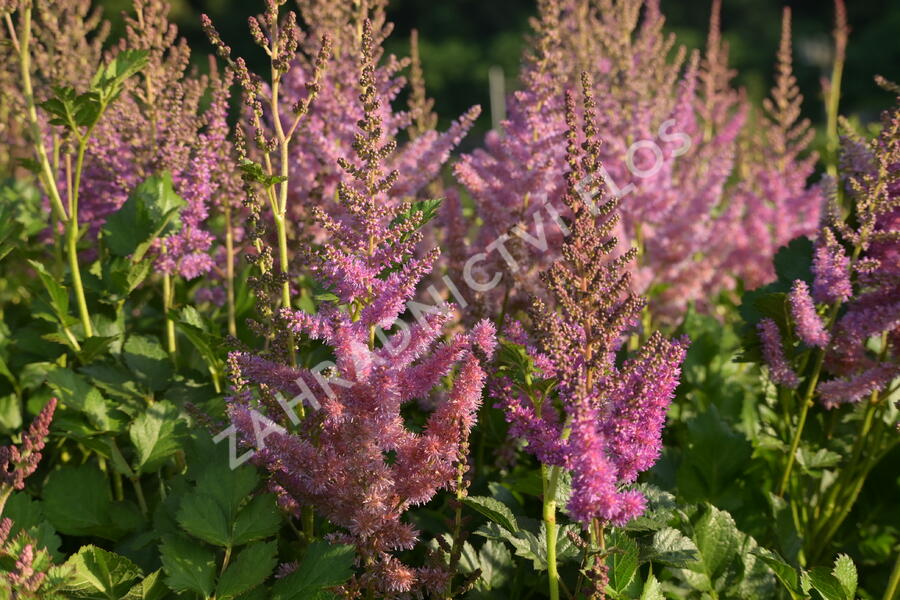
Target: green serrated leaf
(253, 171)
(109, 77)
(785, 573)
(827, 584)
(494, 510)
(192, 325)
(496, 564)
(652, 589)
(717, 540)
(142, 218)
(101, 575)
(257, 520)
(59, 295)
(151, 588)
(845, 572)
(230, 488)
(202, 516)
(794, 261)
(147, 359)
(622, 561)
(671, 547)
(714, 457)
(419, 213)
(532, 546)
(323, 566)
(94, 347)
(250, 568)
(75, 392)
(155, 435)
(77, 502)
(189, 566)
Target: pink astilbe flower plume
(17, 463)
(777, 204)
(702, 214)
(606, 426)
(856, 282)
(780, 370)
(831, 267)
(159, 124)
(809, 326)
(871, 303)
(330, 129)
(350, 456)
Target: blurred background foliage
(462, 39)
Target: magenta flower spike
(606, 426)
(351, 457)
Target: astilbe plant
(17, 463)
(777, 203)
(353, 459)
(68, 38)
(328, 133)
(49, 54)
(24, 565)
(589, 412)
(839, 343)
(672, 138)
(159, 124)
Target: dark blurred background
(462, 39)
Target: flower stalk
(21, 43)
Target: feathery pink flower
(856, 387)
(670, 152)
(831, 270)
(351, 456)
(158, 124)
(17, 463)
(872, 308)
(807, 322)
(614, 410)
(773, 353)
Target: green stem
(807, 397)
(22, 47)
(229, 271)
(226, 560)
(72, 248)
(801, 422)
(852, 478)
(890, 593)
(168, 295)
(73, 236)
(5, 492)
(831, 109)
(308, 517)
(47, 175)
(139, 492)
(550, 479)
(281, 228)
(217, 384)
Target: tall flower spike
(870, 305)
(773, 353)
(608, 427)
(831, 270)
(809, 326)
(160, 124)
(778, 205)
(670, 153)
(18, 463)
(354, 459)
(329, 130)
